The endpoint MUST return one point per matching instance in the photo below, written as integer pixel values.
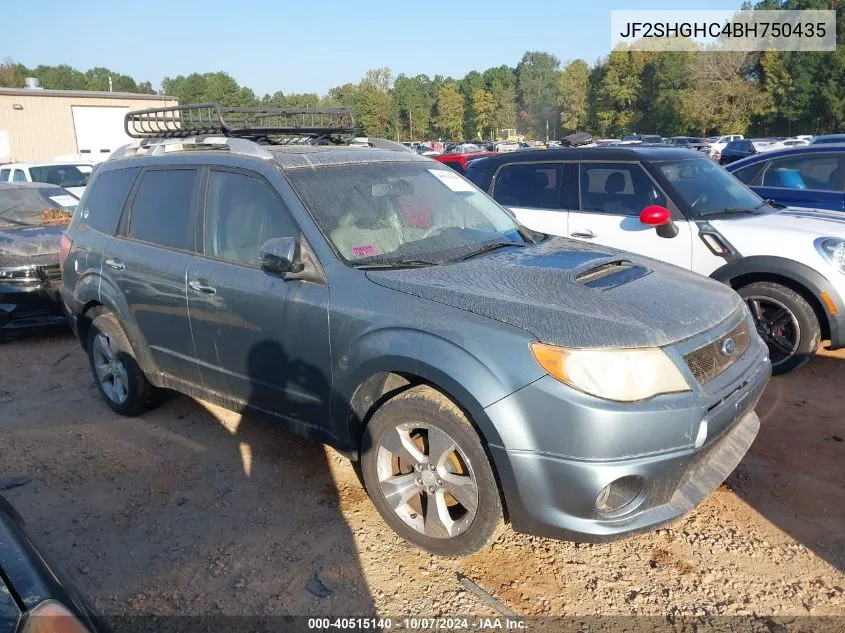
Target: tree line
(670, 93)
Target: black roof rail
(254, 122)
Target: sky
(311, 45)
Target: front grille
(710, 360)
(52, 272)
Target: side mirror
(278, 256)
(660, 218)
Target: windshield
(62, 175)
(401, 211)
(707, 188)
(35, 206)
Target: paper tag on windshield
(451, 180)
(65, 201)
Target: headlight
(624, 375)
(833, 250)
(18, 273)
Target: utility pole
(110, 85)
(411, 124)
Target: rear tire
(786, 322)
(428, 475)
(119, 378)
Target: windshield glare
(707, 188)
(401, 211)
(31, 206)
(62, 175)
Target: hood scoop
(610, 274)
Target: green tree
(615, 86)
(662, 81)
(413, 104)
(450, 112)
(61, 77)
(572, 86)
(11, 74)
(217, 87)
(536, 75)
(379, 78)
(500, 82)
(98, 79)
(472, 81)
(724, 95)
(483, 108)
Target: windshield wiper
(397, 263)
(492, 246)
(740, 211)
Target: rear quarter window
(105, 198)
(748, 173)
(4, 174)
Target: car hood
(817, 222)
(77, 191)
(557, 291)
(23, 245)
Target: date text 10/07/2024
(417, 624)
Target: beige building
(40, 125)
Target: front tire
(428, 475)
(119, 378)
(786, 322)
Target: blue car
(827, 139)
(810, 176)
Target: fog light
(617, 494)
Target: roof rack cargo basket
(247, 122)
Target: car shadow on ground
(794, 473)
(192, 509)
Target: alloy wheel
(110, 370)
(427, 479)
(777, 326)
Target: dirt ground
(191, 510)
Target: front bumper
(837, 332)
(561, 448)
(25, 306)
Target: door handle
(199, 286)
(588, 234)
(115, 263)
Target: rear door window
(163, 210)
(19, 176)
(816, 171)
(532, 185)
(106, 198)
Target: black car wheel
(119, 377)
(427, 473)
(785, 321)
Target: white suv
(72, 176)
(677, 206)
